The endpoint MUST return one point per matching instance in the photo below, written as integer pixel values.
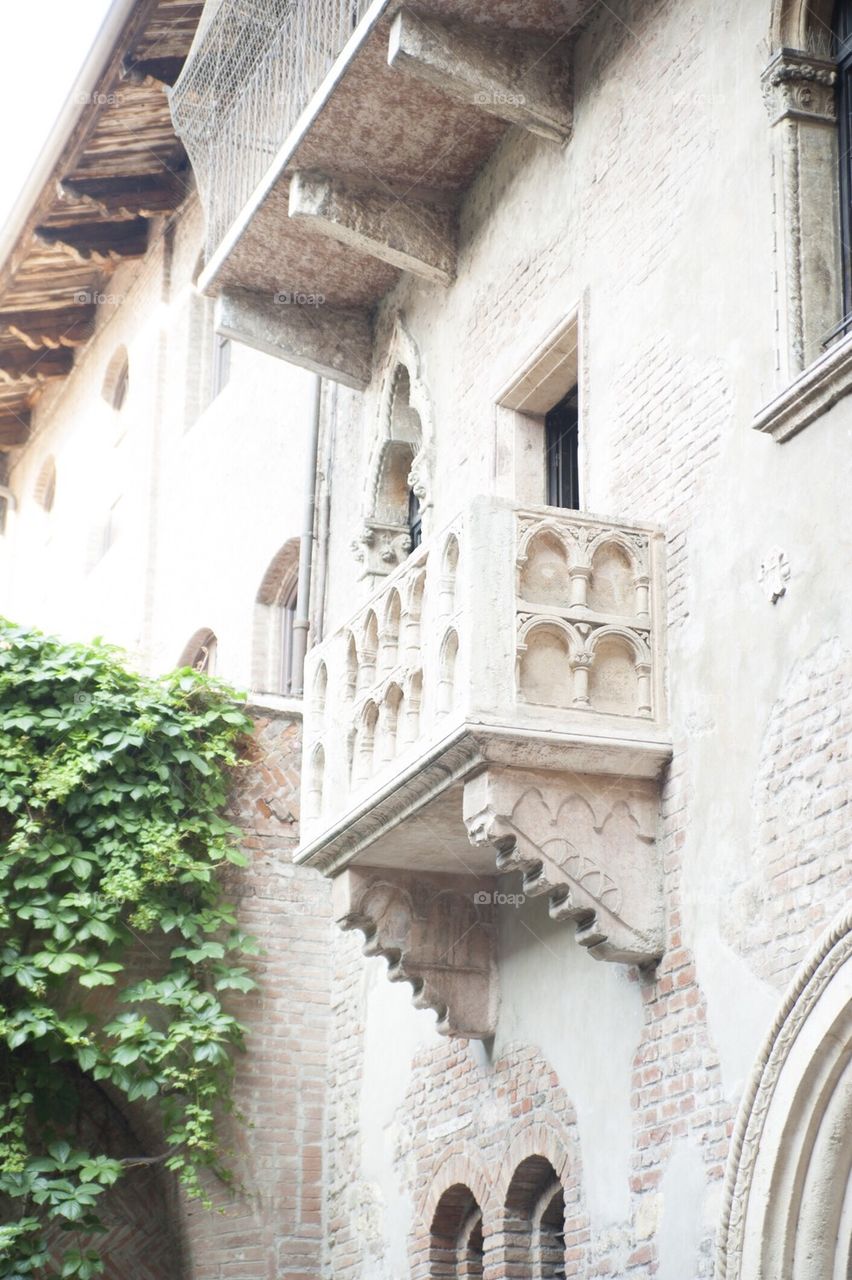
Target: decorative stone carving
(798, 89)
(381, 547)
(401, 459)
(435, 932)
(774, 574)
(586, 842)
(799, 86)
(787, 1187)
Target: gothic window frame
(813, 359)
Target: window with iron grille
(562, 450)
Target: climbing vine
(115, 942)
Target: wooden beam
(145, 196)
(20, 364)
(163, 70)
(335, 342)
(54, 328)
(14, 429)
(99, 241)
(522, 79)
(406, 232)
(78, 137)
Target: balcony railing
(534, 631)
(250, 74)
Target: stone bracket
(524, 80)
(436, 932)
(586, 841)
(404, 231)
(335, 342)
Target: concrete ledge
(813, 393)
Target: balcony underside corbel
(588, 842)
(335, 342)
(436, 932)
(524, 80)
(402, 230)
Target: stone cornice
(813, 393)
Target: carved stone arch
(548, 648)
(448, 586)
(619, 672)
(546, 526)
(618, 576)
(545, 560)
(801, 24)
(401, 459)
(368, 650)
(787, 1206)
(634, 642)
(448, 657)
(391, 720)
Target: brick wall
(788, 891)
(271, 1225)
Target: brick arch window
(274, 618)
(200, 651)
(455, 1240)
(535, 1222)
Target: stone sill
(813, 393)
(276, 703)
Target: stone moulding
(813, 393)
(788, 1174)
(436, 932)
(587, 843)
(798, 89)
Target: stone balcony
(498, 705)
(312, 129)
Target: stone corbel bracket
(436, 932)
(588, 842)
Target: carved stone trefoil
(588, 842)
(436, 932)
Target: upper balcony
(333, 141)
(503, 688)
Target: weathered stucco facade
(580, 778)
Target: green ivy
(112, 790)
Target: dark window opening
(843, 52)
(562, 444)
(415, 524)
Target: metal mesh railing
(252, 69)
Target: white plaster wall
(204, 504)
(657, 219)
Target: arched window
(535, 1221)
(455, 1244)
(274, 619)
(200, 652)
